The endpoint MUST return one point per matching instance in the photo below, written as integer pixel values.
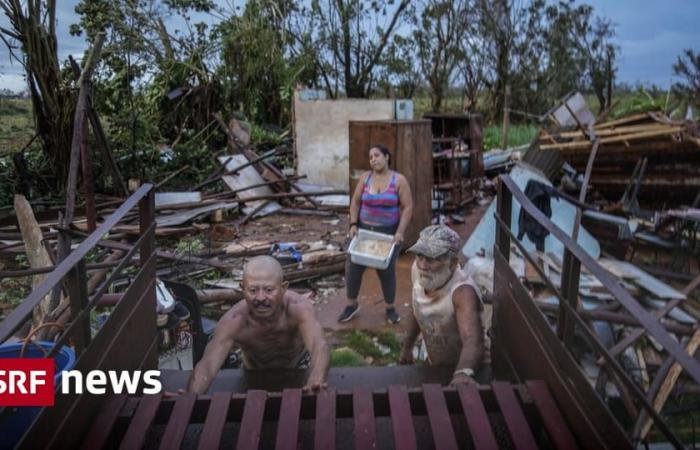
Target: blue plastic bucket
(14, 424)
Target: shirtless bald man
(273, 327)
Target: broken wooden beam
(37, 255)
(624, 319)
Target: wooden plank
(477, 419)
(251, 423)
(177, 424)
(667, 386)
(324, 438)
(692, 285)
(401, 418)
(102, 426)
(516, 423)
(141, 422)
(551, 415)
(288, 426)
(439, 417)
(363, 415)
(215, 421)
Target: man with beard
(273, 327)
(446, 306)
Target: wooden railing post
(147, 208)
(504, 204)
(78, 297)
(571, 274)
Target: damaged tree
(33, 31)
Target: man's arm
(412, 328)
(312, 334)
(412, 332)
(216, 352)
(467, 307)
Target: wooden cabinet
(409, 142)
(458, 168)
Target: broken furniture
(458, 163)
(409, 144)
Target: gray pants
(387, 277)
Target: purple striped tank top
(380, 210)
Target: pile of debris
(247, 207)
(663, 153)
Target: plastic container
(14, 424)
(367, 259)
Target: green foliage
(190, 245)
(637, 102)
(518, 135)
(687, 68)
(12, 292)
(346, 357)
(257, 66)
(16, 126)
(368, 345)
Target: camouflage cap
(435, 241)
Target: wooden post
(77, 288)
(506, 117)
(503, 209)
(570, 277)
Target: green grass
(363, 343)
(517, 135)
(346, 357)
(16, 124)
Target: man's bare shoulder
(236, 316)
(466, 298)
(298, 306)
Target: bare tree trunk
(37, 255)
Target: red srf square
(26, 382)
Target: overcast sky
(651, 35)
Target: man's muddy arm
(216, 352)
(312, 334)
(467, 313)
(412, 332)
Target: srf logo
(26, 382)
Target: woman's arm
(355, 204)
(406, 207)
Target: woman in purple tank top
(381, 202)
